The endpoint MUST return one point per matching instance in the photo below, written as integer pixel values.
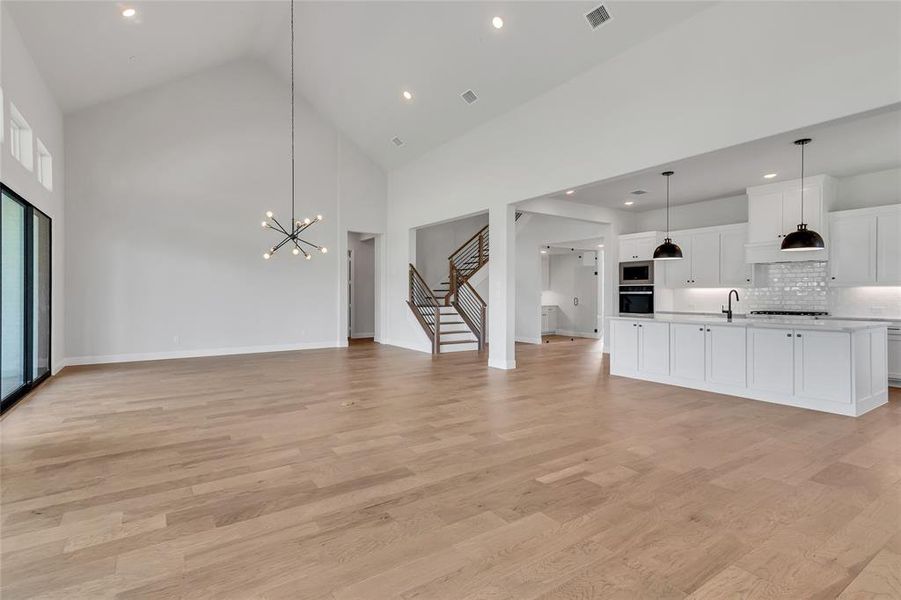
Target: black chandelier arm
(312, 245)
(304, 226)
(280, 244)
(280, 227)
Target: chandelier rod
(293, 220)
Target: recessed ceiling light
(600, 245)
(770, 175)
(570, 192)
(497, 22)
(407, 95)
(544, 251)
(129, 12)
(628, 203)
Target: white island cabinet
(837, 366)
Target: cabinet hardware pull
(634, 324)
(788, 335)
(701, 329)
(797, 335)
(708, 331)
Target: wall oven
(636, 299)
(636, 273)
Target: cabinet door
(644, 247)
(628, 248)
(678, 272)
(822, 365)
(734, 271)
(771, 360)
(765, 217)
(624, 353)
(888, 248)
(687, 351)
(791, 209)
(894, 353)
(852, 250)
(705, 259)
(726, 351)
(654, 348)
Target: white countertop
(761, 322)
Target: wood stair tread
(444, 342)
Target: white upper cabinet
(774, 211)
(734, 270)
(888, 246)
(639, 246)
(864, 246)
(852, 251)
(678, 272)
(705, 259)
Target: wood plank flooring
(374, 472)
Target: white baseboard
(59, 366)
(144, 356)
(528, 340)
(582, 334)
(356, 336)
(501, 364)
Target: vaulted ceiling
(353, 59)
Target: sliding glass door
(25, 319)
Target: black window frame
(29, 383)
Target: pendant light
(297, 226)
(803, 239)
(667, 250)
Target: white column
(502, 295)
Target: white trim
(528, 340)
(501, 364)
(409, 346)
(356, 336)
(144, 356)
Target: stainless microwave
(639, 272)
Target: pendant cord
(802, 182)
(293, 220)
(667, 206)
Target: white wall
(536, 230)
(868, 189)
(436, 242)
(569, 279)
(363, 305)
(167, 191)
(745, 71)
(23, 86)
(721, 211)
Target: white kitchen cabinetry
(548, 319)
(686, 352)
(888, 246)
(837, 366)
(852, 248)
(894, 353)
(653, 343)
(726, 350)
(821, 359)
(624, 346)
(639, 246)
(865, 247)
(774, 211)
(734, 269)
(771, 360)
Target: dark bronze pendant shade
(667, 250)
(803, 239)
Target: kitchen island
(831, 365)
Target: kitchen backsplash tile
(790, 286)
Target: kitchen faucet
(728, 311)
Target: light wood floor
(378, 473)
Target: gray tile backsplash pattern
(789, 286)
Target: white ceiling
(88, 53)
(353, 59)
(851, 146)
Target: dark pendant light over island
(667, 250)
(803, 239)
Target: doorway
(25, 319)
(572, 293)
(361, 287)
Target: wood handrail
(475, 293)
(466, 243)
(425, 286)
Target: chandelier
(297, 226)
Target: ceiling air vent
(469, 96)
(638, 192)
(598, 17)
(397, 141)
